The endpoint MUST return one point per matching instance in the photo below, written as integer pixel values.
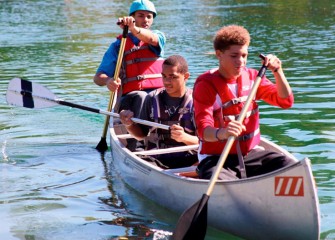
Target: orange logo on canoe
(289, 186)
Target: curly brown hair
(231, 35)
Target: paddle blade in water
(102, 145)
(193, 222)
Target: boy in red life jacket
(171, 105)
(142, 60)
(219, 95)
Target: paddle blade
(192, 224)
(102, 145)
(24, 93)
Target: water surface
(55, 185)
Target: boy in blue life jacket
(171, 105)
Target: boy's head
(175, 74)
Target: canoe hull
(279, 205)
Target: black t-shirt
(171, 106)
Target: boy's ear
(217, 53)
(186, 76)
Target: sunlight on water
(161, 235)
(55, 185)
(3, 151)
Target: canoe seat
(185, 172)
(191, 174)
(122, 133)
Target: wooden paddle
(193, 222)
(23, 93)
(102, 145)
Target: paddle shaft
(108, 113)
(231, 139)
(116, 76)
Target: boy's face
(174, 81)
(232, 61)
(143, 19)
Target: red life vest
(142, 68)
(227, 107)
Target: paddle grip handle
(125, 32)
(261, 72)
(120, 22)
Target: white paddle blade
(24, 93)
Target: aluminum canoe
(280, 205)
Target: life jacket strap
(138, 60)
(142, 77)
(134, 49)
(248, 136)
(234, 101)
(235, 117)
(239, 151)
(241, 161)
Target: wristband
(216, 135)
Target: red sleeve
(267, 91)
(204, 95)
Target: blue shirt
(109, 60)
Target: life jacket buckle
(134, 49)
(236, 100)
(244, 138)
(140, 77)
(230, 118)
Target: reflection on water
(53, 183)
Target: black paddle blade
(193, 222)
(102, 145)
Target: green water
(53, 183)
